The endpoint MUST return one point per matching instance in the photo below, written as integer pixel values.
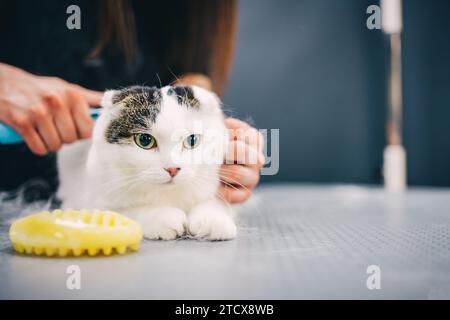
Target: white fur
(131, 180)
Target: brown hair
(195, 36)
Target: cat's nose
(172, 171)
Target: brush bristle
(67, 252)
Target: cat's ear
(209, 101)
(108, 98)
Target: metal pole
(394, 167)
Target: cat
(155, 156)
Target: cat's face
(168, 136)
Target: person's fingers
(24, 127)
(233, 123)
(62, 119)
(239, 175)
(250, 136)
(253, 138)
(43, 121)
(93, 98)
(34, 142)
(240, 130)
(234, 195)
(239, 152)
(79, 109)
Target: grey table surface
(294, 242)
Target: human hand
(246, 158)
(45, 111)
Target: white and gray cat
(155, 156)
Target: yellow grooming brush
(72, 232)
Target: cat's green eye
(145, 140)
(191, 141)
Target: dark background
(312, 69)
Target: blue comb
(9, 136)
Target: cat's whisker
(118, 187)
(233, 183)
(123, 181)
(114, 181)
(173, 74)
(228, 184)
(160, 83)
(225, 183)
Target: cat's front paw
(165, 223)
(212, 224)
